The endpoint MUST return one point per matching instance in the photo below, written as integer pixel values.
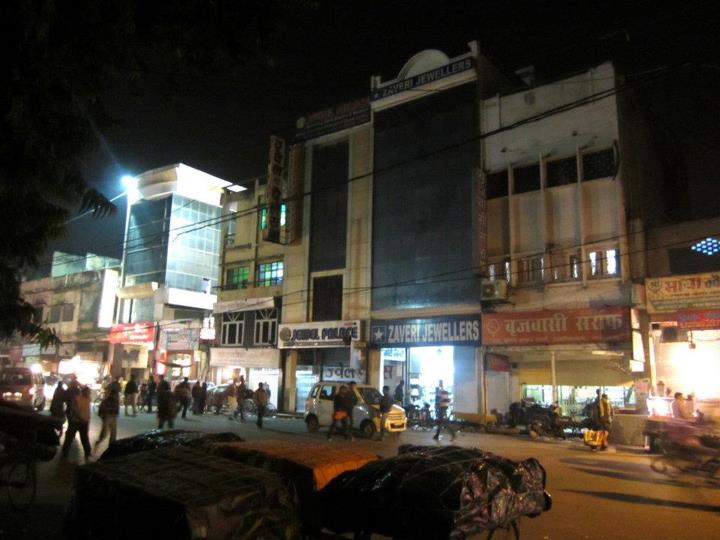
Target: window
(561, 172)
(265, 326)
(531, 269)
(599, 164)
(68, 311)
(327, 298)
(497, 184)
(264, 214)
(237, 278)
(327, 392)
(233, 325)
(270, 274)
(526, 178)
(37, 314)
(55, 312)
(565, 266)
(499, 270)
(604, 263)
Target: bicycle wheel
(21, 484)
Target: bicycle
(18, 472)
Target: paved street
(608, 495)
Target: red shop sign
(141, 332)
(556, 326)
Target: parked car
(20, 385)
(366, 415)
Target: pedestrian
(78, 404)
(109, 410)
(131, 394)
(352, 397)
(57, 405)
(166, 405)
(604, 422)
(232, 401)
(182, 396)
(195, 394)
(386, 403)
(342, 402)
(399, 394)
(261, 400)
(242, 391)
(163, 384)
(151, 391)
(442, 405)
(679, 407)
(203, 398)
(142, 397)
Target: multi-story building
(169, 273)
(77, 302)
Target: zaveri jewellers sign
(318, 334)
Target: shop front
(419, 353)
(257, 365)
(134, 353)
(559, 355)
(685, 340)
(320, 351)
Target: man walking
(166, 405)
(261, 400)
(131, 393)
(182, 395)
(203, 398)
(232, 401)
(109, 411)
(242, 393)
(151, 390)
(386, 403)
(442, 404)
(78, 415)
(196, 398)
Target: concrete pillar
(290, 381)
(373, 366)
(554, 376)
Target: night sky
(221, 123)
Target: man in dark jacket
(131, 393)
(196, 398)
(261, 400)
(166, 405)
(151, 390)
(182, 395)
(57, 405)
(203, 398)
(386, 403)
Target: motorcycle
(539, 420)
(684, 448)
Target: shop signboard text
(556, 326)
(683, 292)
(140, 332)
(450, 330)
(318, 334)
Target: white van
(366, 415)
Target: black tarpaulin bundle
(434, 492)
(156, 438)
(179, 493)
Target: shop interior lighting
(709, 246)
(235, 188)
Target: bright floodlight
(130, 183)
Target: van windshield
(370, 395)
(15, 377)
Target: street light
(130, 183)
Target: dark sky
(220, 123)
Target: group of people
(235, 395)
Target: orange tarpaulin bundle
(325, 461)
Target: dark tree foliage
(61, 55)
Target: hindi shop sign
(699, 319)
(451, 330)
(549, 327)
(318, 334)
(692, 291)
(396, 86)
(141, 332)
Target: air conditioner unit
(493, 291)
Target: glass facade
(174, 241)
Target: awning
(247, 304)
